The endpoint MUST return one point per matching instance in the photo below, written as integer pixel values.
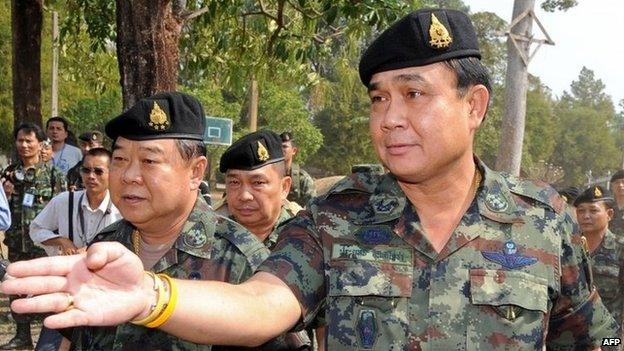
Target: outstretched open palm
(104, 286)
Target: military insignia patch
(158, 118)
(496, 203)
(385, 206)
(509, 258)
(195, 239)
(263, 153)
(374, 235)
(440, 37)
(367, 329)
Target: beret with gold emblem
(569, 194)
(91, 136)
(421, 38)
(253, 151)
(594, 193)
(169, 115)
(617, 175)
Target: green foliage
(587, 140)
(342, 116)
(6, 94)
(282, 108)
(562, 5)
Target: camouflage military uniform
(616, 225)
(210, 247)
(302, 189)
(511, 277)
(40, 183)
(288, 211)
(606, 263)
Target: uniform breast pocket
(368, 305)
(508, 310)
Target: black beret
(569, 194)
(91, 136)
(617, 175)
(253, 151)
(170, 115)
(286, 136)
(423, 37)
(593, 194)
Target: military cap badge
(597, 192)
(263, 153)
(440, 37)
(158, 118)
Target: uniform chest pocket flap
(508, 292)
(371, 271)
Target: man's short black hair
(99, 151)
(30, 128)
(470, 72)
(58, 119)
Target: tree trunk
(147, 48)
(27, 18)
(516, 84)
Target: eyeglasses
(86, 170)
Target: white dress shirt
(54, 217)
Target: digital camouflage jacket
(209, 247)
(513, 275)
(302, 189)
(34, 187)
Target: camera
(14, 176)
(3, 267)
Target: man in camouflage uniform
(256, 186)
(440, 253)
(302, 189)
(29, 185)
(594, 209)
(617, 185)
(170, 228)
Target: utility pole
(519, 40)
(253, 106)
(55, 59)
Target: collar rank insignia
(597, 192)
(158, 118)
(509, 258)
(496, 203)
(263, 153)
(384, 206)
(440, 37)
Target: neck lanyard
(57, 161)
(83, 234)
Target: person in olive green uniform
(594, 211)
(440, 253)
(29, 184)
(256, 186)
(302, 188)
(617, 187)
(157, 166)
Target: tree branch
(192, 14)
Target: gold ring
(70, 301)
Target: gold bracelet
(160, 304)
(170, 306)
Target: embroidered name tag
(393, 255)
